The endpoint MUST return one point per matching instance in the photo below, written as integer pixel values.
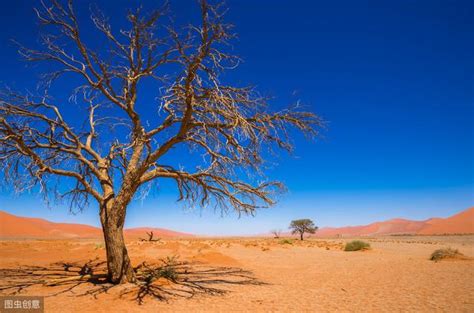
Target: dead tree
(276, 233)
(108, 142)
(150, 237)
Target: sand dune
(140, 232)
(461, 223)
(393, 226)
(12, 226)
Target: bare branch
(227, 131)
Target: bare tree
(113, 144)
(276, 233)
(150, 237)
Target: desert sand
(250, 274)
(66, 263)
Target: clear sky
(394, 80)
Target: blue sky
(394, 80)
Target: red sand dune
(12, 226)
(461, 223)
(140, 232)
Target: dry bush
(286, 242)
(356, 245)
(446, 253)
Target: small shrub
(445, 253)
(99, 246)
(356, 245)
(286, 242)
(168, 272)
(171, 260)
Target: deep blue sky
(394, 79)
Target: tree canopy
(302, 226)
(99, 137)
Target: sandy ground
(222, 275)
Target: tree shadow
(62, 274)
(162, 281)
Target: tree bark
(119, 267)
(301, 235)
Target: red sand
(140, 232)
(461, 223)
(252, 275)
(12, 226)
(247, 274)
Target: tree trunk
(119, 267)
(301, 235)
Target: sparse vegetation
(168, 272)
(286, 242)
(445, 253)
(99, 245)
(356, 245)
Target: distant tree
(276, 233)
(109, 140)
(303, 226)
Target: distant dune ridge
(461, 223)
(12, 226)
(140, 232)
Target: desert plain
(246, 274)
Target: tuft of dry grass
(446, 253)
(356, 245)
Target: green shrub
(445, 253)
(356, 245)
(99, 246)
(286, 242)
(168, 272)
